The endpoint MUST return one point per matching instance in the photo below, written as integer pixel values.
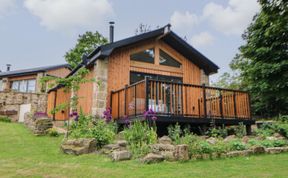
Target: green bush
(86, 127)
(175, 132)
(5, 119)
(139, 136)
(52, 132)
(237, 145)
(240, 130)
(221, 132)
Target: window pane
(23, 86)
(1, 85)
(15, 85)
(31, 86)
(144, 56)
(167, 60)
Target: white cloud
(6, 6)
(232, 19)
(70, 14)
(183, 20)
(202, 39)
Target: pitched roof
(31, 71)
(168, 37)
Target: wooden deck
(178, 102)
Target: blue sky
(39, 32)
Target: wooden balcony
(181, 102)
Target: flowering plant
(150, 114)
(107, 115)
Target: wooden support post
(118, 93)
(135, 96)
(125, 100)
(248, 130)
(204, 101)
(235, 105)
(221, 104)
(249, 106)
(55, 100)
(147, 93)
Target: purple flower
(150, 114)
(107, 115)
(76, 119)
(127, 121)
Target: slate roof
(31, 71)
(168, 37)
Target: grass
(25, 155)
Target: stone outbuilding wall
(10, 103)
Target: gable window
(27, 86)
(167, 60)
(144, 56)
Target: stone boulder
(79, 146)
(229, 138)
(165, 140)
(278, 136)
(245, 139)
(212, 140)
(239, 153)
(120, 145)
(258, 149)
(121, 155)
(181, 152)
(39, 126)
(276, 150)
(156, 148)
(152, 158)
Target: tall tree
(262, 62)
(86, 43)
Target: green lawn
(25, 155)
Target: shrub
(52, 132)
(237, 146)
(282, 128)
(221, 132)
(86, 127)
(267, 143)
(279, 143)
(5, 119)
(175, 132)
(240, 131)
(139, 135)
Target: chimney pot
(111, 39)
(8, 67)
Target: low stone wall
(38, 125)
(10, 103)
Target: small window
(31, 86)
(167, 60)
(144, 56)
(15, 85)
(23, 86)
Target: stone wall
(100, 87)
(10, 103)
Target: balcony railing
(178, 99)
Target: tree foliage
(226, 80)
(86, 43)
(262, 62)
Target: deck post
(249, 106)
(55, 102)
(204, 100)
(135, 95)
(146, 93)
(235, 107)
(248, 130)
(125, 100)
(221, 104)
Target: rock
(205, 156)
(168, 155)
(239, 153)
(196, 156)
(229, 138)
(278, 136)
(245, 139)
(38, 126)
(181, 152)
(212, 140)
(120, 136)
(121, 155)
(153, 158)
(122, 143)
(156, 148)
(165, 140)
(79, 146)
(276, 150)
(258, 149)
(271, 138)
(111, 146)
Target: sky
(37, 33)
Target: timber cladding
(120, 65)
(56, 99)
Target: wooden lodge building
(156, 70)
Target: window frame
(172, 58)
(143, 50)
(18, 86)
